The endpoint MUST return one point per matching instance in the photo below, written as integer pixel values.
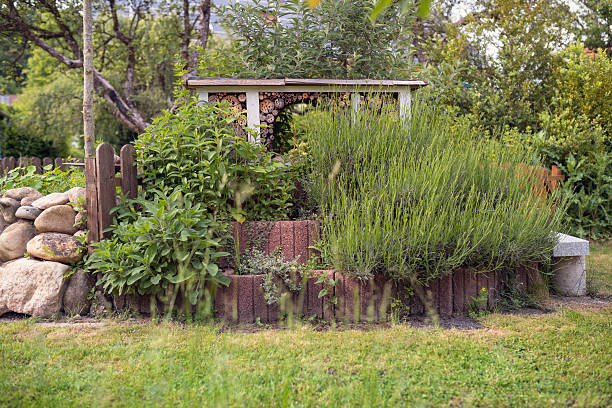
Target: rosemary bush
(418, 199)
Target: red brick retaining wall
(293, 237)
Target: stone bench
(569, 260)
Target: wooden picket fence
(9, 163)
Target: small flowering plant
(477, 307)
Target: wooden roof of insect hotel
(301, 85)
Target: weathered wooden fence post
(59, 164)
(129, 180)
(105, 183)
(46, 161)
(91, 196)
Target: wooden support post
(355, 101)
(12, 163)
(404, 102)
(59, 164)
(252, 102)
(202, 97)
(129, 181)
(105, 183)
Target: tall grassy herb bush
(419, 198)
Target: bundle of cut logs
(272, 103)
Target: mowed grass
(599, 269)
(558, 359)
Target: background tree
(55, 26)
(503, 54)
(337, 39)
(14, 54)
(595, 24)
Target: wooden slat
(198, 81)
(37, 163)
(59, 163)
(356, 82)
(91, 194)
(555, 177)
(22, 162)
(12, 163)
(46, 161)
(129, 178)
(105, 183)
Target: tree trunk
(88, 81)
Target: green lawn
(599, 269)
(558, 359)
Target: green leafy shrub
(582, 85)
(198, 149)
(588, 185)
(419, 199)
(18, 142)
(50, 181)
(576, 136)
(289, 39)
(199, 173)
(162, 246)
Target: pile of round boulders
(41, 238)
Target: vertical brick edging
(357, 301)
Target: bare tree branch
(128, 84)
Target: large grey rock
(14, 240)
(80, 221)
(59, 218)
(3, 225)
(50, 200)
(53, 246)
(27, 212)
(76, 195)
(76, 296)
(8, 207)
(27, 201)
(20, 193)
(32, 287)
